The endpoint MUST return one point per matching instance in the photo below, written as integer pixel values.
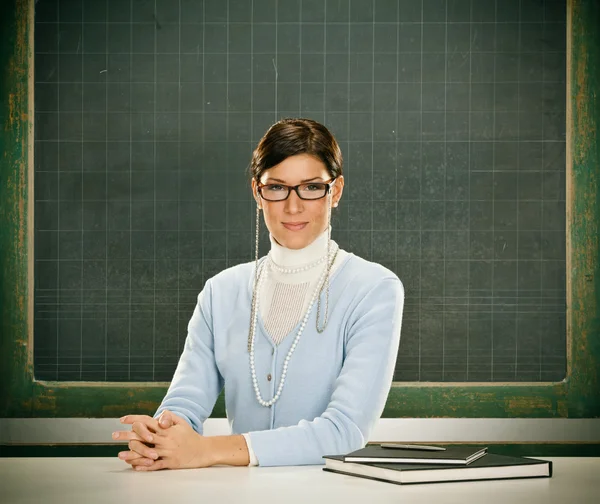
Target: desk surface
(105, 480)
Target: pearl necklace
(293, 347)
(299, 269)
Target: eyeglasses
(308, 191)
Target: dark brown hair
(292, 136)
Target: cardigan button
(269, 377)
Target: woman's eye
(275, 187)
(313, 187)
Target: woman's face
(294, 222)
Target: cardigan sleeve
(253, 460)
(197, 382)
(360, 391)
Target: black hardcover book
(460, 455)
(490, 467)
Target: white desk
(108, 480)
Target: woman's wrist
(229, 450)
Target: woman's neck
(292, 258)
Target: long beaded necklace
(254, 312)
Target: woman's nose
(293, 204)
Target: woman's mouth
(295, 226)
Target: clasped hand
(167, 443)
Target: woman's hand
(174, 444)
(141, 437)
(180, 447)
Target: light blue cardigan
(337, 381)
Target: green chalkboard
(451, 116)
(374, 139)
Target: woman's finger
(143, 450)
(142, 431)
(142, 461)
(148, 421)
(126, 436)
(166, 420)
(156, 466)
(129, 455)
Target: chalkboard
(451, 119)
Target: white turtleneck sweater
(284, 297)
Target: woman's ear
(255, 193)
(338, 189)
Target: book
(490, 467)
(461, 455)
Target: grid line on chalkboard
(493, 192)
(154, 201)
(286, 23)
(444, 189)
(347, 156)
(468, 318)
(58, 211)
(203, 176)
(432, 141)
(542, 225)
(177, 325)
(533, 81)
(517, 220)
(212, 53)
(372, 123)
(362, 230)
(253, 204)
(420, 290)
(130, 169)
(275, 62)
(396, 126)
(106, 192)
(227, 124)
(81, 221)
(300, 56)
(325, 64)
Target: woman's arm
(174, 444)
(197, 382)
(192, 395)
(360, 391)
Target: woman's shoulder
(366, 286)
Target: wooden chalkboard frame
(577, 396)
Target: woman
(304, 340)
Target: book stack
(406, 464)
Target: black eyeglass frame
(328, 184)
